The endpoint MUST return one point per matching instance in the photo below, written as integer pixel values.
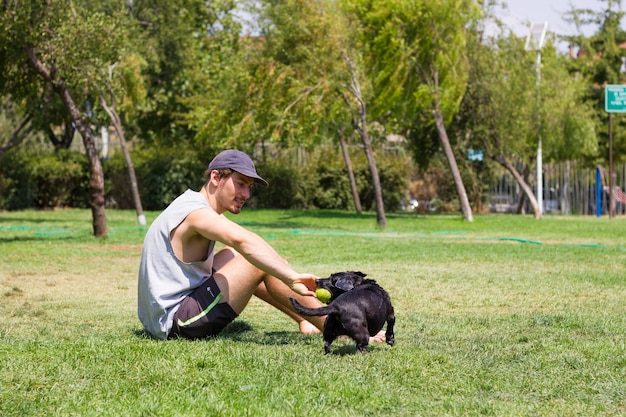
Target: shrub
(287, 186)
(16, 189)
(48, 178)
(394, 174)
(60, 179)
(323, 181)
(162, 175)
(44, 178)
(332, 186)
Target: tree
(505, 108)
(170, 37)
(330, 62)
(600, 60)
(356, 100)
(111, 109)
(57, 45)
(416, 56)
(19, 133)
(346, 157)
(292, 86)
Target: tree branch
(19, 134)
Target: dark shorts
(201, 314)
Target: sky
(522, 12)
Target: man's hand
(304, 284)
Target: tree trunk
(346, 158)
(96, 179)
(565, 203)
(447, 148)
(369, 153)
(360, 125)
(117, 124)
(522, 183)
(18, 135)
(378, 192)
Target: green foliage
(505, 110)
(407, 43)
(394, 180)
(287, 186)
(117, 191)
(598, 63)
(185, 77)
(61, 179)
(567, 120)
(272, 88)
(175, 40)
(162, 174)
(75, 41)
(44, 179)
(332, 187)
(322, 182)
(47, 178)
(16, 188)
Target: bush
(61, 179)
(44, 179)
(394, 174)
(323, 182)
(287, 186)
(162, 175)
(16, 189)
(331, 183)
(48, 178)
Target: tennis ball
(323, 295)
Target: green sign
(615, 98)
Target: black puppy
(358, 308)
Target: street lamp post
(534, 42)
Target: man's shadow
(242, 331)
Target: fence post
(598, 192)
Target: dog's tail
(305, 311)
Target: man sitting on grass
(185, 289)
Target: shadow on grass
(143, 334)
(39, 238)
(330, 214)
(272, 225)
(241, 331)
(291, 218)
(27, 219)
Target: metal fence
(568, 188)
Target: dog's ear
(362, 274)
(349, 280)
(345, 283)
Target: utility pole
(534, 42)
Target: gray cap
(237, 161)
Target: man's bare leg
(238, 280)
(378, 337)
(280, 294)
(306, 327)
(237, 291)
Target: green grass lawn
(505, 316)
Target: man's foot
(307, 327)
(378, 337)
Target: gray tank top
(164, 280)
